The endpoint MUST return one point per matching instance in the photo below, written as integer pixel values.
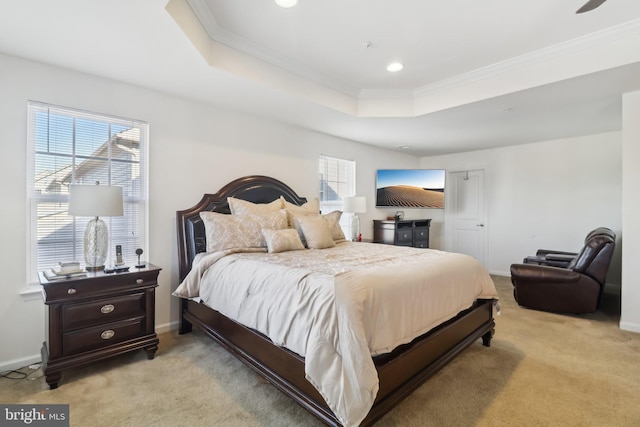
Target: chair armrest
(545, 252)
(552, 260)
(560, 257)
(533, 272)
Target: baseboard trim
(629, 326)
(14, 364)
(167, 327)
(500, 273)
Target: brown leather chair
(576, 288)
(556, 258)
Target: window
(65, 147)
(337, 180)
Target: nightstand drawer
(98, 285)
(421, 237)
(106, 310)
(101, 336)
(404, 237)
(421, 233)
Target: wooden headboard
(255, 188)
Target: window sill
(31, 292)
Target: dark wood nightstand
(99, 316)
(408, 232)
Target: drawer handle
(139, 281)
(108, 308)
(107, 334)
(71, 291)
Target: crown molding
(565, 60)
(249, 47)
(570, 47)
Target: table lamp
(355, 205)
(96, 201)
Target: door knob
(479, 225)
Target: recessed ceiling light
(394, 66)
(286, 3)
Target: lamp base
(355, 228)
(96, 241)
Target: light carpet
(542, 369)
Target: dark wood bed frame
(399, 372)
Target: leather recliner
(557, 258)
(576, 288)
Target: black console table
(406, 232)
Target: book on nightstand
(64, 272)
(69, 265)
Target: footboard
(408, 367)
(399, 372)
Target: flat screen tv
(410, 188)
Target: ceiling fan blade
(590, 5)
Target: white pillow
(239, 231)
(315, 229)
(242, 207)
(282, 240)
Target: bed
(398, 371)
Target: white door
(465, 214)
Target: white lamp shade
(95, 200)
(356, 204)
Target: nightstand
(98, 316)
(409, 232)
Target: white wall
(543, 195)
(194, 149)
(630, 316)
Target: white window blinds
(65, 147)
(337, 180)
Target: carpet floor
(542, 369)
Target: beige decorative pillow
(333, 218)
(282, 240)
(333, 221)
(309, 208)
(316, 231)
(242, 207)
(239, 231)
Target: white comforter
(337, 307)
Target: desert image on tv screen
(411, 188)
